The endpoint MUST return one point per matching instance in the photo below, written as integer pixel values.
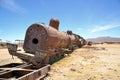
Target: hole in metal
(35, 41)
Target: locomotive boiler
(45, 44)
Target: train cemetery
(50, 54)
(96, 62)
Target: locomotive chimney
(54, 23)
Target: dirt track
(99, 62)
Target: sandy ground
(6, 58)
(98, 62)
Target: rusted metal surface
(54, 23)
(36, 38)
(40, 37)
(12, 48)
(43, 38)
(23, 72)
(44, 42)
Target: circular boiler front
(35, 39)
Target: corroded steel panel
(36, 38)
(54, 23)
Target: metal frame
(23, 72)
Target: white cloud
(79, 28)
(11, 5)
(103, 28)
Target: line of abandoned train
(45, 44)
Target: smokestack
(54, 23)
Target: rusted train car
(45, 44)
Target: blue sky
(88, 18)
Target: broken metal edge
(40, 73)
(31, 75)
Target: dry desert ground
(96, 62)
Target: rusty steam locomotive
(45, 44)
